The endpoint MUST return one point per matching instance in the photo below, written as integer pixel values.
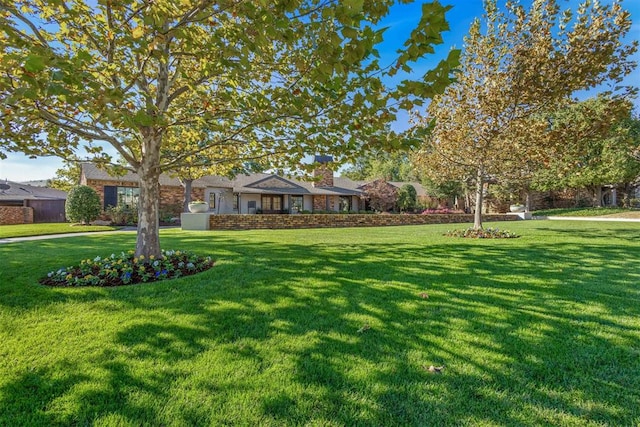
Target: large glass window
(345, 204)
(128, 197)
(271, 203)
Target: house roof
(91, 171)
(255, 183)
(420, 191)
(261, 183)
(17, 192)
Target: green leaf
(34, 63)
(354, 6)
(143, 119)
(349, 32)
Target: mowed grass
(603, 211)
(23, 230)
(333, 327)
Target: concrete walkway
(59, 236)
(587, 218)
(133, 229)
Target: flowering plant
(441, 211)
(125, 269)
(486, 233)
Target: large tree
(277, 79)
(377, 164)
(597, 148)
(518, 65)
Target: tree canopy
(376, 164)
(517, 67)
(160, 82)
(67, 177)
(597, 147)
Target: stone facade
(250, 222)
(11, 215)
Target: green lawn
(331, 328)
(24, 230)
(583, 211)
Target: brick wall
(249, 222)
(170, 196)
(10, 215)
(323, 176)
(320, 203)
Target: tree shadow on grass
(294, 334)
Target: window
(297, 203)
(121, 196)
(271, 203)
(213, 196)
(345, 204)
(128, 196)
(236, 201)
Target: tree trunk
(186, 184)
(597, 196)
(527, 201)
(148, 239)
(477, 218)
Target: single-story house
(26, 204)
(244, 194)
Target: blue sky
(401, 21)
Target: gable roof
(91, 172)
(261, 183)
(255, 183)
(420, 191)
(18, 191)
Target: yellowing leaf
(137, 32)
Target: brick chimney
(323, 174)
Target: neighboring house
(245, 194)
(26, 204)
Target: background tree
(407, 198)
(597, 145)
(380, 195)
(376, 164)
(633, 125)
(82, 204)
(273, 79)
(451, 189)
(67, 177)
(517, 66)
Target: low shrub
(170, 214)
(483, 233)
(125, 269)
(82, 204)
(407, 198)
(122, 215)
